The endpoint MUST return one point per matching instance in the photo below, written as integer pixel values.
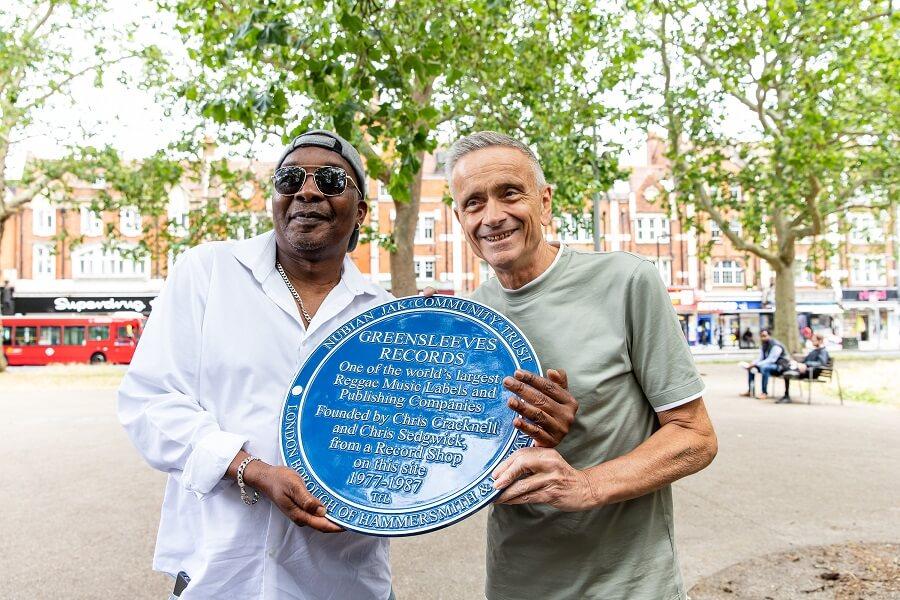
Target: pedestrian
(809, 368)
(592, 518)
(773, 360)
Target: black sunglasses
(331, 181)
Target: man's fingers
(304, 519)
(517, 465)
(306, 501)
(429, 291)
(544, 386)
(523, 490)
(541, 437)
(537, 416)
(559, 377)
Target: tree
(223, 199)
(393, 76)
(41, 55)
(794, 102)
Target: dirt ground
(836, 572)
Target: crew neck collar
(534, 286)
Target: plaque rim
(485, 475)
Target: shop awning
(820, 309)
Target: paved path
(80, 509)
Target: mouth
(498, 237)
(308, 216)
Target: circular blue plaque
(396, 421)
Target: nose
(494, 215)
(309, 191)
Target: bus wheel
(98, 358)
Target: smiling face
(309, 222)
(501, 207)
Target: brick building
(719, 293)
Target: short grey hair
(488, 139)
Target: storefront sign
(80, 304)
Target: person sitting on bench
(808, 369)
(773, 360)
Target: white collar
(258, 255)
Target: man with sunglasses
(591, 518)
(202, 397)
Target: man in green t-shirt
(591, 518)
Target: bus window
(98, 333)
(73, 336)
(7, 335)
(51, 335)
(125, 334)
(26, 335)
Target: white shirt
(209, 377)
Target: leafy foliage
(782, 113)
(394, 76)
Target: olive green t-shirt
(608, 321)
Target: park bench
(825, 374)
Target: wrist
(256, 474)
(592, 494)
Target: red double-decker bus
(48, 339)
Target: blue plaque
(397, 419)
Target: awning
(820, 309)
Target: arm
(158, 406)
(157, 402)
(684, 444)
(772, 358)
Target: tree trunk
(786, 307)
(403, 274)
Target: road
(81, 509)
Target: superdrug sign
(81, 304)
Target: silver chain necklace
(294, 293)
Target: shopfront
(732, 323)
(73, 304)
(871, 315)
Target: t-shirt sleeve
(660, 357)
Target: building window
(868, 270)
(802, 272)
(735, 226)
(715, 233)
(572, 230)
(94, 261)
(728, 272)
(91, 222)
(130, 221)
(736, 193)
(865, 228)
(383, 194)
(425, 230)
(424, 268)
(650, 228)
(664, 266)
(178, 212)
(43, 262)
(44, 217)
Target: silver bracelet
(240, 479)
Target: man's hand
(285, 488)
(546, 404)
(546, 478)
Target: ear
(362, 209)
(546, 202)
